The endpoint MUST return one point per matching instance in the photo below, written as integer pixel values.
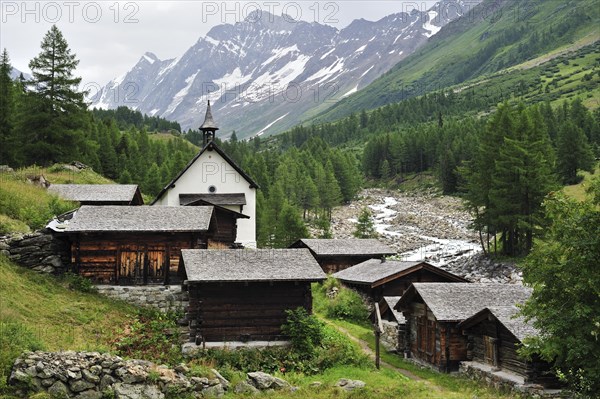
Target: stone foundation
(163, 297)
(507, 381)
(41, 251)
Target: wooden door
(131, 265)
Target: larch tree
(365, 228)
(6, 108)
(53, 118)
(573, 152)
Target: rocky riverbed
(425, 226)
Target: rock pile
(481, 269)
(419, 219)
(417, 216)
(91, 375)
(40, 251)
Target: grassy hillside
(492, 37)
(40, 312)
(578, 191)
(25, 206)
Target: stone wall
(41, 251)
(163, 297)
(502, 381)
(91, 375)
(389, 336)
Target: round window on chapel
(212, 189)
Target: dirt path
(369, 352)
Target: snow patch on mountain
(428, 26)
(260, 133)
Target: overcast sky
(110, 37)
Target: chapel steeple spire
(209, 127)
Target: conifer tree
(290, 226)
(6, 108)
(573, 152)
(365, 228)
(53, 117)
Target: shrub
(79, 283)
(305, 331)
(347, 305)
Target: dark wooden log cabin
(494, 335)
(131, 245)
(338, 254)
(242, 295)
(226, 223)
(434, 310)
(99, 194)
(378, 278)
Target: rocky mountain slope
(493, 37)
(268, 73)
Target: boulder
(244, 388)
(350, 385)
(264, 381)
(221, 379)
(138, 391)
(59, 390)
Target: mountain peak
(149, 57)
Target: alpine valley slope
(490, 40)
(268, 73)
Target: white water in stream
(440, 252)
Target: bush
(79, 283)
(347, 305)
(305, 331)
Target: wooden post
(378, 331)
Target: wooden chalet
(242, 295)
(131, 245)
(338, 254)
(434, 310)
(379, 278)
(494, 334)
(99, 194)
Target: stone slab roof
(237, 265)
(372, 270)
(215, 199)
(345, 247)
(391, 301)
(95, 192)
(507, 316)
(116, 218)
(455, 302)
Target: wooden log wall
(506, 345)
(334, 265)
(224, 312)
(131, 258)
(441, 345)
